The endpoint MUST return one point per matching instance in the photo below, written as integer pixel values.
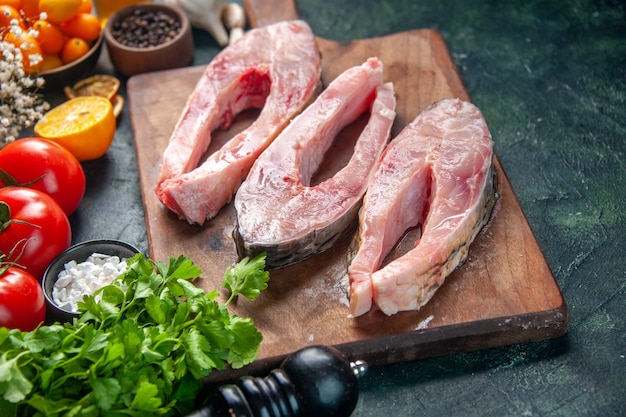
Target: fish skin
(276, 68)
(278, 212)
(437, 173)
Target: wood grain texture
(504, 294)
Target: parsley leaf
(247, 278)
(141, 345)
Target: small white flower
(20, 105)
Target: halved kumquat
(85, 126)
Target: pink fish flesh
(278, 211)
(276, 68)
(437, 173)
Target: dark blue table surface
(550, 78)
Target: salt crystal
(80, 279)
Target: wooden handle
(265, 12)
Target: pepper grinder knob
(314, 381)
(324, 382)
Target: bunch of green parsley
(140, 347)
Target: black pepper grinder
(312, 382)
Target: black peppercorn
(144, 29)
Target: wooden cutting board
(504, 294)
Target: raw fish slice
(276, 67)
(277, 210)
(437, 173)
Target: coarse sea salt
(84, 278)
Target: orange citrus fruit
(98, 85)
(85, 126)
(84, 26)
(73, 49)
(86, 6)
(50, 61)
(31, 52)
(16, 4)
(7, 14)
(49, 36)
(58, 11)
(102, 85)
(31, 9)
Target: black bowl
(68, 74)
(79, 253)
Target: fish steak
(276, 68)
(278, 210)
(436, 174)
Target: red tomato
(33, 228)
(54, 169)
(22, 304)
